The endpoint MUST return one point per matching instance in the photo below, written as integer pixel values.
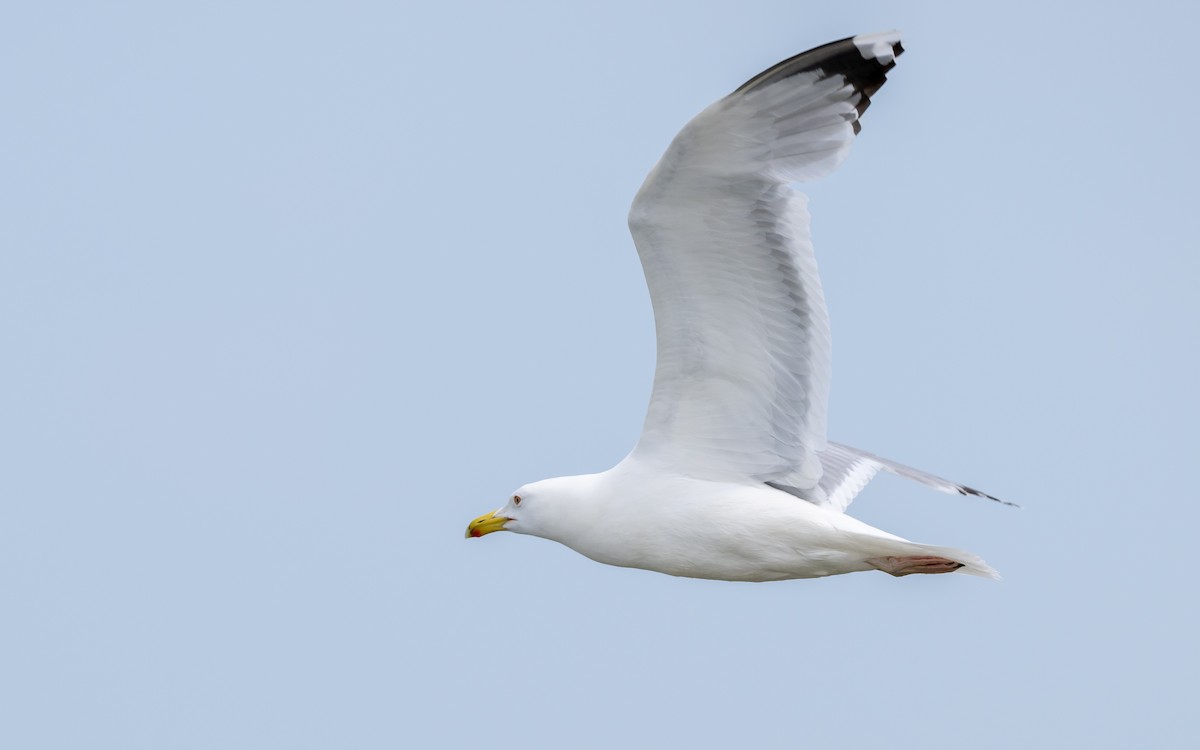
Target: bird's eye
(516, 499)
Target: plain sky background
(290, 292)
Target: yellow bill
(486, 524)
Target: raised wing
(742, 378)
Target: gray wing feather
(742, 376)
(848, 470)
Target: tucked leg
(902, 566)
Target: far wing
(742, 378)
(848, 470)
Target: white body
(638, 516)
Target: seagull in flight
(733, 477)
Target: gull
(733, 477)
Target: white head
(554, 509)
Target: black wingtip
(972, 491)
(845, 57)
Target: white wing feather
(742, 377)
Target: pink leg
(902, 566)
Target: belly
(738, 536)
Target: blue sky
(291, 292)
